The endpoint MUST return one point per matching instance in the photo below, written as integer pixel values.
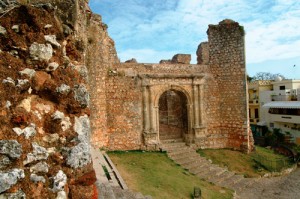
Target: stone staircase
(189, 159)
(110, 183)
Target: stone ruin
(63, 89)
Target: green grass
(153, 173)
(239, 162)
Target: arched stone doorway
(173, 115)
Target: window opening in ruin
(173, 120)
(281, 87)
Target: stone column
(146, 109)
(196, 105)
(152, 112)
(201, 105)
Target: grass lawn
(240, 162)
(153, 173)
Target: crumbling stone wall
(46, 69)
(227, 65)
(215, 87)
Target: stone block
(181, 59)
(11, 148)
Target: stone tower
(227, 65)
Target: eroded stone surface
(63, 89)
(40, 51)
(11, 148)
(52, 66)
(18, 195)
(81, 95)
(4, 161)
(28, 132)
(10, 178)
(38, 153)
(9, 80)
(36, 178)
(40, 167)
(52, 40)
(28, 72)
(2, 30)
(65, 121)
(79, 155)
(59, 181)
(82, 128)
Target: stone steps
(189, 159)
(170, 136)
(189, 155)
(115, 187)
(173, 146)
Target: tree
(266, 76)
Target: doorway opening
(173, 118)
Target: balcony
(284, 98)
(253, 101)
(295, 119)
(254, 120)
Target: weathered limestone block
(59, 181)
(181, 59)
(9, 80)
(23, 84)
(41, 167)
(63, 89)
(26, 104)
(79, 155)
(61, 195)
(16, 28)
(2, 30)
(81, 95)
(52, 66)
(65, 121)
(83, 71)
(28, 132)
(28, 72)
(7, 104)
(203, 53)
(52, 40)
(20, 194)
(11, 148)
(39, 153)
(36, 178)
(51, 138)
(40, 51)
(10, 178)
(4, 161)
(82, 128)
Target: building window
(272, 125)
(256, 113)
(281, 87)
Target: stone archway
(173, 115)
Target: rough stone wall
(100, 57)
(227, 64)
(203, 53)
(124, 101)
(46, 69)
(124, 112)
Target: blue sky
(151, 30)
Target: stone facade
(215, 92)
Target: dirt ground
(284, 187)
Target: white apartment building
(280, 107)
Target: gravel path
(284, 187)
